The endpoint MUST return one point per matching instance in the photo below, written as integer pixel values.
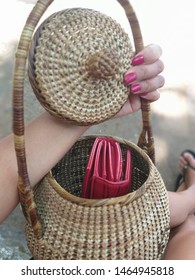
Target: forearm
(47, 140)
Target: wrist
(63, 125)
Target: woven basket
(134, 226)
(62, 225)
(76, 65)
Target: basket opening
(69, 172)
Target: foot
(187, 169)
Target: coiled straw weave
(134, 226)
(59, 223)
(76, 65)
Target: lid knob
(103, 64)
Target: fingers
(147, 85)
(147, 71)
(143, 72)
(143, 79)
(186, 159)
(148, 55)
(144, 76)
(150, 96)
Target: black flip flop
(181, 177)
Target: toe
(182, 163)
(189, 159)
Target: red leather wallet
(107, 175)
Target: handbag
(59, 222)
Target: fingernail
(129, 78)
(137, 60)
(143, 94)
(135, 88)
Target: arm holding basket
(48, 139)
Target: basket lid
(77, 61)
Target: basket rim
(107, 201)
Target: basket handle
(24, 187)
(146, 140)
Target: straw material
(134, 226)
(59, 223)
(77, 61)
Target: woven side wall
(135, 226)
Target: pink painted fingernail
(137, 60)
(135, 88)
(129, 78)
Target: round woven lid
(77, 62)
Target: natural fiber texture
(60, 224)
(76, 65)
(134, 226)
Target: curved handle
(146, 140)
(25, 190)
(24, 187)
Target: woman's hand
(143, 79)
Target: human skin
(181, 245)
(48, 138)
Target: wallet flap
(98, 159)
(102, 188)
(102, 160)
(109, 162)
(89, 169)
(98, 188)
(117, 162)
(128, 167)
(114, 161)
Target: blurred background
(167, 23)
